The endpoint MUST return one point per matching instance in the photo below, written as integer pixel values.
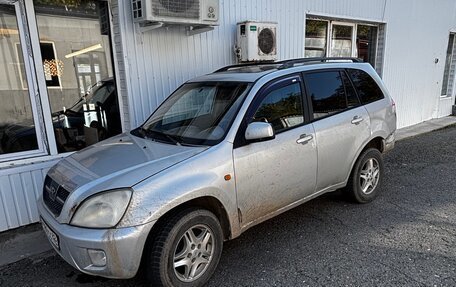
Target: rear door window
(330, 92)
(367, 88)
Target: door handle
(356, 120)
(303, 139)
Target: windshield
(197, 113)
(97, 95)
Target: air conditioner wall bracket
(147, 26)
(194, 30)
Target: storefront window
(77, 63)
(17, 125)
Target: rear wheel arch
(376, 143)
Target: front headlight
(102, 210)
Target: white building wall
(417, 33)
(160, 60)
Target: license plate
(53, 238)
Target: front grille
(54, 195)
(189, 9)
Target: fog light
(98, 257)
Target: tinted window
(368, 90)
(352, 98)
(327, 92)
(282, 108)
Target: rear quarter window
(367, 88)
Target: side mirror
(259, 131)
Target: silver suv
(224, 152)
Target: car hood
(121, 161)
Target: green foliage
(66, 3)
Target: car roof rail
(291, 63)
(224, 69)
(285, 64)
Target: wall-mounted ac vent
(184, 12)
(256, 41)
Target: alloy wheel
(369, 176)
(193, 253)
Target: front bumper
(123, 246)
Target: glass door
(20, 132)
(342, 39)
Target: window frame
(32, 86)
(334, 20)
(309, 100)
(264, 91)
(37, 89)
(353, 36)
(328, 35)
(450, 84)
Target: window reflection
(366, 43)
(316, 35)
(17, 127)
(77, 64)
(327, 93)
(281, 108)
(341, 45)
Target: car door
(275, 173)
(342, 125)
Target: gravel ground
(407, 237)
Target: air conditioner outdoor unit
(184, 12)
(256, 41)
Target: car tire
(186, 249)
(366, 177)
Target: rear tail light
(393, 106)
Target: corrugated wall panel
(120, 63)
(161, 60)
(19, 190)
(417, 31)
(417, 35)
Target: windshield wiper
(167, 136)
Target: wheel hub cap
(193, 253)
(369, 176)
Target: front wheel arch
(159, 252)
(209, 203)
